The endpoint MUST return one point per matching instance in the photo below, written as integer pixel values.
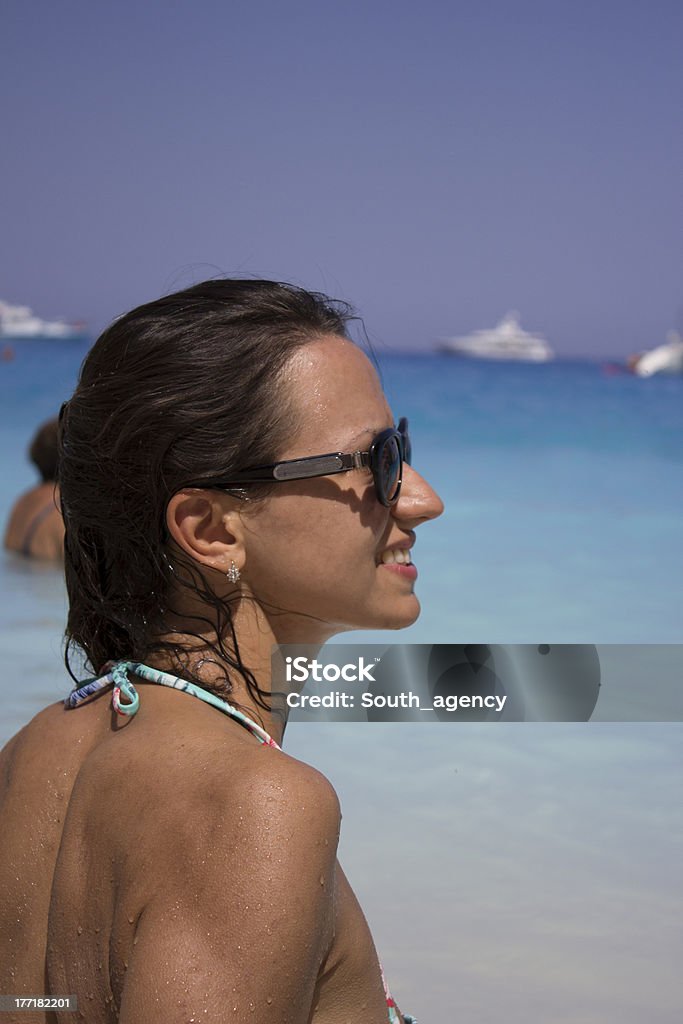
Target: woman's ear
(207, 526)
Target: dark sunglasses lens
(390, 468)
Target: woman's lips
(398, 559)
(408, 571)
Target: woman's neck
(258, 637)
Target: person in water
(35, 526)
(231, 478)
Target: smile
(395, 556)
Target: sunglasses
(385, 457)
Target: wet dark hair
(44, 450)
(186, 388)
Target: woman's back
(175, 864)
(35, 526)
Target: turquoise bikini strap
(118, 674)
(123, 685)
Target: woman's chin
(403, 614)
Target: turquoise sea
(516, 872)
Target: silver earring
(233, 573)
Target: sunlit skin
(47, 541)
(167, 867)
(308, 555)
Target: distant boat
(667, 358)
(506, 340)
(17, 322)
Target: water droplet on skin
(130, 919)
(97, 931)
(135, 941)
(269, 999)
(322, 880)
(79, 930)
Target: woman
(35, 527)
(166, 861)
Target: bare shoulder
(41, 497)
(34, 744)
(189, 792)
(246, 895)
(260, 797)
(288, 788)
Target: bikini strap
(118, 676)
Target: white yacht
(17, 322)
(667, 358)
(506, 340)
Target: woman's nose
(418, 502)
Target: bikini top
(118, 677)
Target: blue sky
(434, 164)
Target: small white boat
(506, 340)
(667, 358)
(17, 322)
